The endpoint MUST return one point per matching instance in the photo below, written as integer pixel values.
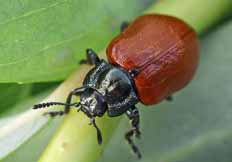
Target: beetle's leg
(99, 136)
(91, 58)
(124, 25)
(75, 92)
(133, 73)
(57, 113)
(169, 98)
(133, 115)
(60, 113)
(67, 104)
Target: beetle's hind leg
(124, 25)
(133, 115)
(91, 57)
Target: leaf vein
(57, 44)
(30, 13)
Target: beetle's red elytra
(153, 57)
(163, 48)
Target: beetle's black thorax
(115, 84)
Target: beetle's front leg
(67, 104)
(91, 58)
(133, 115)
(99, 135)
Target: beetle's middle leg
(133, 115)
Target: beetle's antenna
(99, 136)
(48, 104)
(68, 103)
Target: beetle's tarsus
(135, 149)
(133, 115)
(54, 113)
(99, 135)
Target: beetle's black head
(92, 103)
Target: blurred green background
(41, 43)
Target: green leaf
(11, 94)
(196, 126)
(43, 40)
(14, 96)
(34, 146)
(18, 126)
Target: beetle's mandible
(153, 57)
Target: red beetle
(153, 57)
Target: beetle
(153, 57)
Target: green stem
(75, 141)
(200, 14)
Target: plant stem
(75, 141)
(201, 15)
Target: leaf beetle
(153, 57)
